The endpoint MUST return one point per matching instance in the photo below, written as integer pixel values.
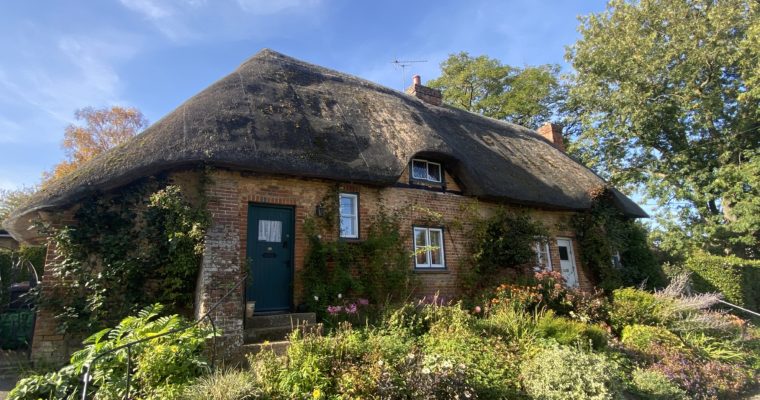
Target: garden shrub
(223, 385)
(633, 306)
(654, 385)
(642, 337)
(568, 332)
(566, 373)
(491, 364)
(161, 365)
(701, 379)
(736, 278)
(64, 384)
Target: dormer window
(426, 171)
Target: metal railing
(88, 367)
(739, 308)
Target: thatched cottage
(279, 133)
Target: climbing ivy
(128, 249)
(503, 242)
(603, 230)
(377, 268)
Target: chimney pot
(552, 133)
(424, 93)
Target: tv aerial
(403, 64)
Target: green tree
(665, 99)
(483, 85)
(11, 198)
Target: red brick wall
(415, 205)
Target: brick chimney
(552, 133)
(424, 93)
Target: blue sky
(59, 56)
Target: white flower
(380, 363)
(340, 296)
(316, 298)
(426, 370)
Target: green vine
(129, 249)
(377, 268)
(501, 243)
(604, 230)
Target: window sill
(432, 271)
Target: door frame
(249, 260)
(571, 255)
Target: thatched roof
(276, 114)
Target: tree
(103, 128)
(665, 100)
(10, 199)
(483, 85)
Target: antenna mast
(403, 64)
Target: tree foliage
(485, 86)
(103, 128)
(665, 99)
(12, 198)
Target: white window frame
(354, 216)
(427, 248)
(428, 178)
(542, 265)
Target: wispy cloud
(55, 75)
(269, 7)
(186, 21)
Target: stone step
(274, 333)
(281, 320)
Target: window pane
(347, 205)
(347, 226)
(420, 239)
(270, 231)
(563, 254)
(421, 259)
(434, 172)
(419, 170)
(436, 252)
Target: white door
(567, 262)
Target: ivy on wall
(140, 245)
(377, 267)
(502, 243)
(604, 230)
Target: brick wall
(228, 195)
(414, 205)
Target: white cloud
(54, 74)
(150, 8)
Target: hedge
(738, 279)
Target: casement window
(426, 171)
(543, 258)
(349, 215)
(428, 248)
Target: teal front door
(270, 257)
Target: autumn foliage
(102, 129)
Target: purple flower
(363, 302)
(351, 309)
(332, 310)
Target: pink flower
(332, 310)
(351, 309)
(363, 302)
(477, 310)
